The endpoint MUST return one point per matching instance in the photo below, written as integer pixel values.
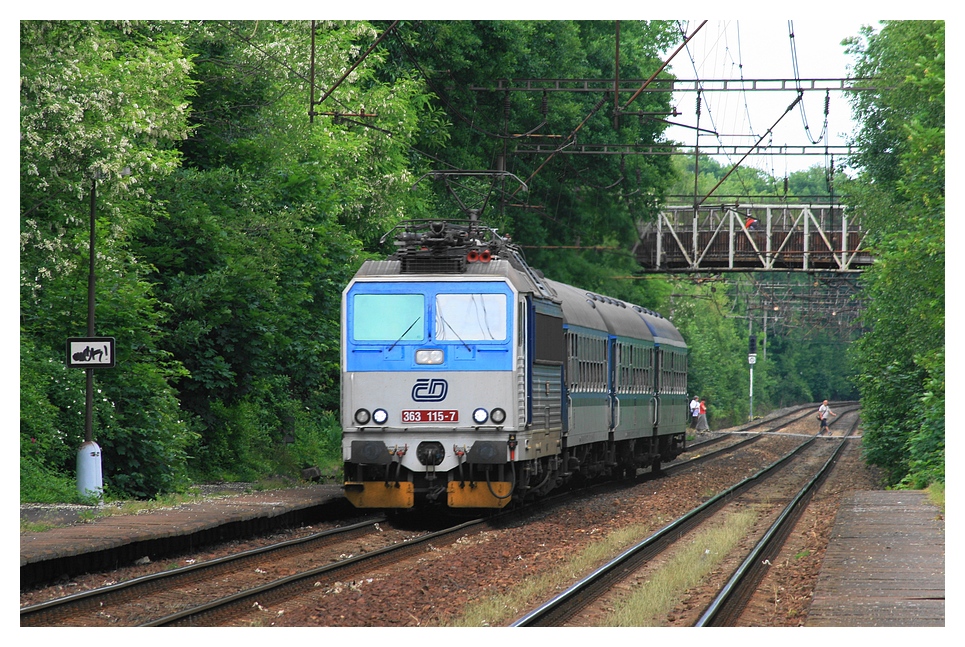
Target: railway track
(159, 599)
(148, 601)
(233, 608)
(221, 611)
(133, 599)
(726, 607)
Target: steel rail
(45, 613)
(286, 587)
(563, 606)
(729, 603)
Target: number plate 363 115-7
(430, 415)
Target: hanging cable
(714, 128)
(797, 80)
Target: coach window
(470, 317)
(573, 365)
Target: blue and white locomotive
(470, 380)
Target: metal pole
(616, 81)
(751, 417)
(90, 479)
(750, 360)
(89, 412)
(764, 350)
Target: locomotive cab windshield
(426, 324)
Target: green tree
(266, 223)
(102, 104)
(901, 191)
(717, 183)
(716, 335)
(570, 200)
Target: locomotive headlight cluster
(430, 356)
(497, 415)
(379, 416)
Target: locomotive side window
(521, 327)
(388, 317)
(470, 317)
(549, 339)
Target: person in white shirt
(823, 412)
(694, 411)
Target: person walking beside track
(694, 412)
(823, 411)
(702, 419)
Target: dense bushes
(901, 187)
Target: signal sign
(90, 352)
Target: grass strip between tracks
(652, 598)
(656, 598)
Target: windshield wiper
(454, 332)
(405, 333)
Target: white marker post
(90, 353)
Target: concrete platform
(112, 541)
(885, 564)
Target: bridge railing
(753, 237)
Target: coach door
(658, 361)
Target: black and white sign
(90, 352)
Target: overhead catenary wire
(797, 79)
(712, 116)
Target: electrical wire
(797, 80)
(711, 115)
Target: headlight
(362, 417)
(379, 416)
(429, 356)
(480, 416)
(498, 416)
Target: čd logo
(430, 390)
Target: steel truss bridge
(785, 237)
(823, 242)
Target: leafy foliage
(264, 228)
(102, 105)
(902, 190)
